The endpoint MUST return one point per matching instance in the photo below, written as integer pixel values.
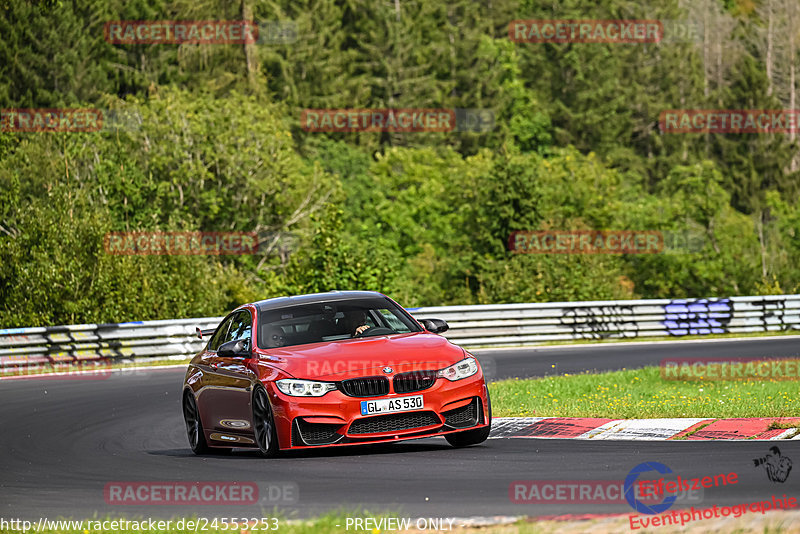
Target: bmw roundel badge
(387, 370)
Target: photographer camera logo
(777, 466)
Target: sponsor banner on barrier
(780, 121)
(401, 120)
(180, 243)
(709, 369)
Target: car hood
(350, 358)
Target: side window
(392, 321)
(241, 327)
(221, 333)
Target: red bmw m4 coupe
(331, 369)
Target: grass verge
(642, 393)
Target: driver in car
(275, 337)
(355, 322)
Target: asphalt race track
(64, 440)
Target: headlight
(457, 371)
(304, 388)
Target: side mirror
(435, 326)
(239, 348)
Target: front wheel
(471, 437)
(194, 427)
(264, 424)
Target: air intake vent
(393, 422)
(463, 417)
(314, 433)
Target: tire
(471, 437)
(194, 426)
(264, 424)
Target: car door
(209, 378)
(227, 397)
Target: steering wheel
(375, 331)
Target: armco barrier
(492, 325)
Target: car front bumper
(335, 419)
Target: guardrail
(492, 325)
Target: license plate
(400, 404)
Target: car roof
(313, 298)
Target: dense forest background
(422, 217)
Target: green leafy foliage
(425, 217)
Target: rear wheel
(471, 437)
(264, 424)
(194, 427)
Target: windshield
(332, 321)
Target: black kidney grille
(414, 381)
(393, 422)
(463, 417)
(370, 386)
